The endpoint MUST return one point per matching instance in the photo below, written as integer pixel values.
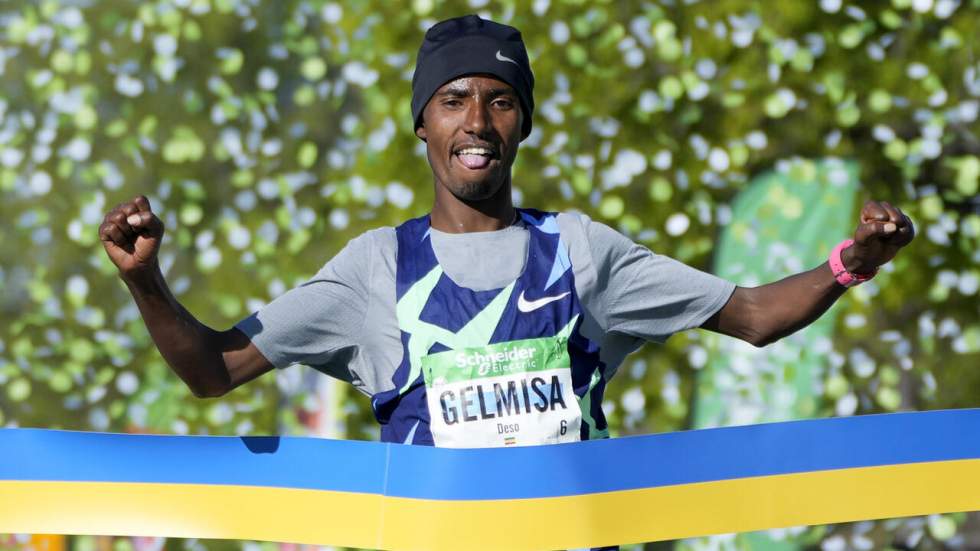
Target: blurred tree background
(267, 134)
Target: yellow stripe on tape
(191, 511)
(374, 521)
(687, 510)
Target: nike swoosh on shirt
(502, 57)
(526, 306)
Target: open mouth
(475, 157)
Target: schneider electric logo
(518, 358)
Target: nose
(477, 119)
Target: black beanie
(471, 45)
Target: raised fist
(131, 235)
(883, 230)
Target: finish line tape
(392, 496)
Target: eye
(503, 103)
(452, 102)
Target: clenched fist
(131, 235)
(883, 230)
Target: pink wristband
(844, 277)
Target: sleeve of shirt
(647, 295)
(318, 322)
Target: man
(481, 324)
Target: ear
(421, 133)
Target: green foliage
(267, 134)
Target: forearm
(788, 305)
(193, 350)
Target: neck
(450, 214)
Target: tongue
(474, 161)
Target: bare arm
(210, 362)
(765, 314)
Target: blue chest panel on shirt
(435, 315)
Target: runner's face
(472, 127)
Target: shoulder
(579, 230)
(574, 226)
(375, 240)
(381, 239)
(360, 254)
(572, 221)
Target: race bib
(516, 393)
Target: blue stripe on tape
(686, 457)
(35, 454)
(509, 473)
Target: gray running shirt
(343, 322)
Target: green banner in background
(785, 222)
